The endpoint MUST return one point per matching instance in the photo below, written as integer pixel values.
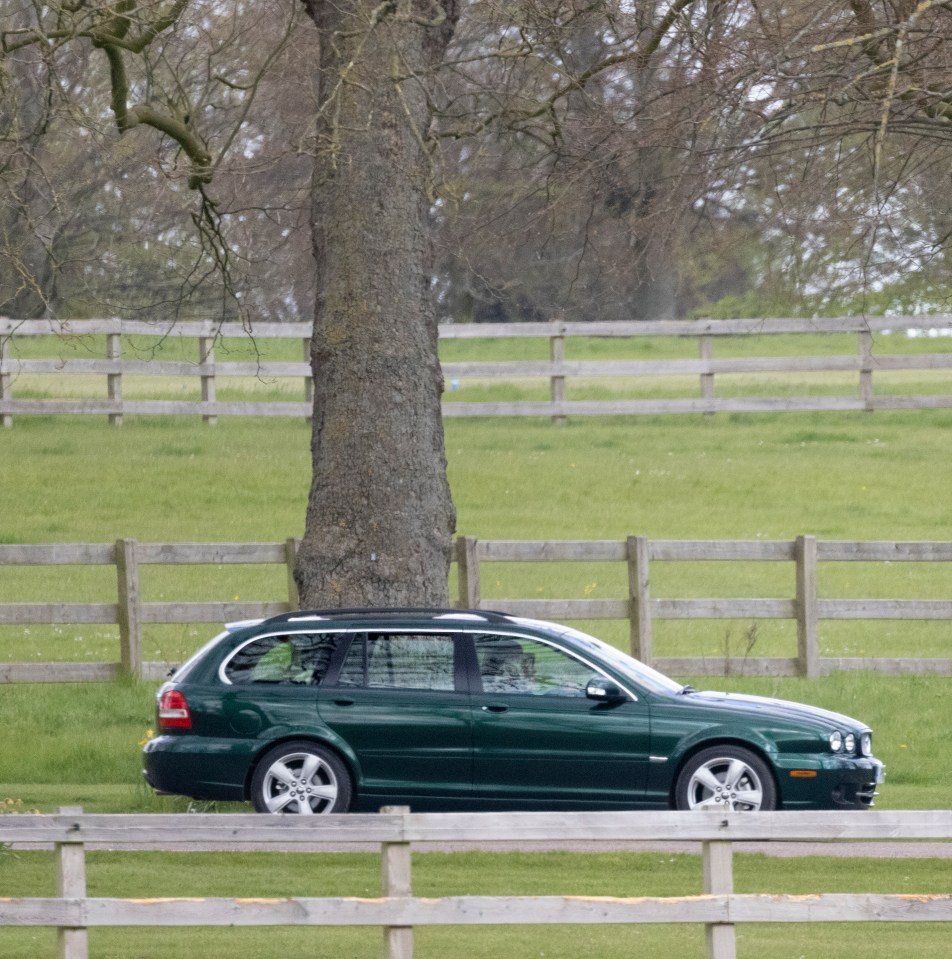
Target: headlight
(866, 744)
(850, 743)
(836, 741)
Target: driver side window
(513, 665)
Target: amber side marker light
(803, 773)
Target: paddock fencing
(397, 832)
(635, 556)
(117, 351)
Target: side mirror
(604, 690)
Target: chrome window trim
(307, 632)
(440, 629)
(278, 632)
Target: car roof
(390, 615)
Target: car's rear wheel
(726, 777)
(301, 778)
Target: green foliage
(775, 293)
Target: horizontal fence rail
(638, 606)
(130, 613)
(208, 368)
(396, 830)
(641, 609)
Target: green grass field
(837, 476)
(655, 873)
(438, 874)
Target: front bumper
(833, 782)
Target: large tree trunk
(380, 518)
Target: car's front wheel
(302, 778)
(726, 777)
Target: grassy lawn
(146, 875)
(837, 476)
(770, 477)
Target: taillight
(173, 711)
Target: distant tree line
(590, 161)
(381, 164)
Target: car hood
(780, 708)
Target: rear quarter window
(283, 658)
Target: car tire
(731, 778)
(301, 778)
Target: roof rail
(489, 615)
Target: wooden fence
(641, 609)
(638, 607)
(395, 830)
(208, 369)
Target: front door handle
(494, 708)
(343, 702)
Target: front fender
(671, 748)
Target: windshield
(626, 665)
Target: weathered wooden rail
(638, 607)
(209, 368)
(641, 609)
(130, 613)
(398, 911)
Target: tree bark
(380, 517)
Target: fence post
(706, 351)
(639, 598)
(6, 386)
(206, 361)
(71, 884)
(308, 380)
(557, 381)
(291, 547)
(719, 881)
(395, 869)
(114, 380)
(467, 563)
(808, 639)
(130, 630)
(866, 369)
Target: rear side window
(399, 661)
(286, 659)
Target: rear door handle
(343, 702)
(494, 708)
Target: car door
(401, 704)
(539, 740)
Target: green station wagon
(337, 710)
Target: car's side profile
(337, 710)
